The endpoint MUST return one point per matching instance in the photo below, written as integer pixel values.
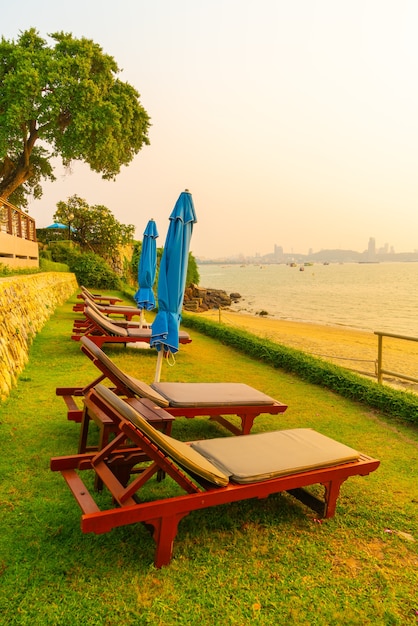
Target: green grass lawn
(254, 562)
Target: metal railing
(379, 368)
(15, 222)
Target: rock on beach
(200, 299)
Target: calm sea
(375, 296)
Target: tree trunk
(11, 182)
(16, 173)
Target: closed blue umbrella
(172, 278)
(147, 266)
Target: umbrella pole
(142, 319)
(158, 366)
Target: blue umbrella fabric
(59, 226)
(172, 276)
(147, 267)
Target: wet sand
(349, 348)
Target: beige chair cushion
(211, 394)
(139, 332)
(261, 456)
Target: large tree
(94, 228)
(63, 100)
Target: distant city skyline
(279, 255)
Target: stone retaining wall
(26, 302)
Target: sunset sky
(292, 122)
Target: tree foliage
(94, 228)
(63, 100)
(192, 276)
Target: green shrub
(6, 270)
(62, 252)
(392, 402)
(193, 276)
(92, 270)
(46, 265)
(45, 254)
(127, 290)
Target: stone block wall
(26, 303)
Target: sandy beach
(349, 348)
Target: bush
(45, 254)
(45, 265)
(62, 252)
(193, 276)
(6, 270)
(92, 270)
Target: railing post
(9, 220)
(19, 224)
(379, 358)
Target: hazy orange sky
(292, 122)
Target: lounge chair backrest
(93, 305)
(118, 377)
(96, 306)
(87, 293)
(104, 323)
(180, 452)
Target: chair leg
(247, 421)
(165, 531)
(332, 491)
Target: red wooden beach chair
(100, 330)
(210, 472)
(119, 319)
(215, 400)
(118, 310)
(97, 297)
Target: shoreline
(274, 318)
(361, 297)
(346, 347)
